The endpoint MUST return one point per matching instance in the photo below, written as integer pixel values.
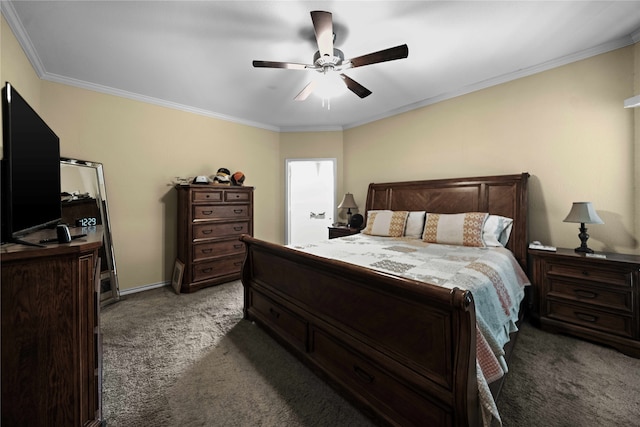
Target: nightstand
(342, 231)
(592, 298)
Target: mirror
(84, 204)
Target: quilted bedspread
(493, 276)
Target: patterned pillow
(386, 223)
(415, 224)
(497, 230)
(463, 229)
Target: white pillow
(415, 224)
(464, 229)
(497, 230)
(386, 223)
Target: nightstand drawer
(592, 295)
(591, 273)
(593, 319)
(342, 231)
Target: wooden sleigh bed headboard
(504, 195)
(401, 350)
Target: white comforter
(493, 276)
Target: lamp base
(583, 238)
(584, 250)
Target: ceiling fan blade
(304, 93)
(355, 87)
(323, 27)
(390, 54)
(288, 65)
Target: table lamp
(348, 203)
(584, 213)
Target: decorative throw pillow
(463, 229)
(386, 223)
(415, 224)
(497, 230)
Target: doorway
(310, 199)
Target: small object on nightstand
(595, 255)
(540, 247)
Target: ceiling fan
(329, 59)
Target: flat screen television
(30, 169)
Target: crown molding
(7, 9)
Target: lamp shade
(583, 212)
(347, 202)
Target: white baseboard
(144, 288)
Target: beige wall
(143, 148)
(565, 126)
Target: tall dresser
(211, 219)
(51, 352)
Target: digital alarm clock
(89, 221)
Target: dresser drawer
(207, 196)
(206, 212)
(593, 319)
(611, 297)
(286, 323)
(368, 379)
(219, 267)
(211, 230)
(237, 196)
(207, 250)
(591, 273)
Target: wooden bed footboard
(403, 351)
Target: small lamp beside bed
(583, 213)
(348, 203)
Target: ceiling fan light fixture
(329, 62)
(329, 85)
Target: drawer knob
(209, 231)
(585, 273)
(586, 317)
(206, 270)
(237, 246)
(207, 212)
(585, 294)
(237, 211)
(274, 313)
(237, 228)
(207, 251)
(362, 374)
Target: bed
(401, 349)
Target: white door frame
(287, 201)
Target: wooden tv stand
(51, 352)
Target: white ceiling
(196, 55)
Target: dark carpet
(190, 360)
